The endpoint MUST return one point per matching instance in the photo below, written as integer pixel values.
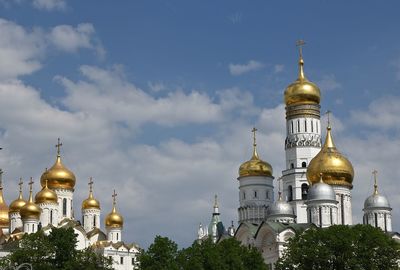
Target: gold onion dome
(4, 219)
(91, 202)
(30, 210)
(336, 169)
(114, 219)
(46, 195)
(255, 166)
(302, 91)
(18, 203)
(58, 176)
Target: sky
(156, 99)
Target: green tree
(55, 251)
(161, 255)
(340, 248)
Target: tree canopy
(55, 251)
(341, 247)
(229, 254)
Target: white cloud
(328, 83)
(239, 69)
(156, 86)
(50, 5)
(279, 68)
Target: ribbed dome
(321, 191)
(114, 219)
(90, 202)
(46, 195)
(335, 168)
(58, 176)
(302, 91)
(4, 219)
(18, 203)
(30, 210)
(255, 166)
(281, 208)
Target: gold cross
(254, 135)
(30, 184)
(20, 184)
(114, 197)
(58, 145)
(375, 172)
(90, 183)
(300, 43)
(328, 113)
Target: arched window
(320, 216)
(290, 193)
(304, 191)
(291, 165)
(376, 220)
(255, 193)
(385, 223)
(94, 221)
(291, 123)
(305, 125)
(64, 207)
(304, 164)
(117, 236)
(51, 216)
(298, 125)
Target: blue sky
(157, 98)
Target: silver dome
(376, 201)
(281, 208)
(321, 191)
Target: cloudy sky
(156, 99)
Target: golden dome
(46, 195)
(30, 210)
(114, 219)
(302, 91)
(17, 204)
(4, 219)
(58, 176)
(90, 202)
(336, 169)
(255, 166)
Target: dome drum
(301, 110)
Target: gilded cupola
(30, 210)
(18, 203)
(46, 195)
(302, 91)
(4, 220)
(90, 202)
(336, 169)
(114, 219)
(58, 176)
(255, 166)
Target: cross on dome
(20, 184)
(114, 195)
(328, 113)
(91, 184)
(254, 130)
(375, 173)
(58, 146)
(31, 184)
(300, 43)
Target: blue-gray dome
(321, 191)
(376, 200)
(281, 208)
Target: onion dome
(46, 195)
(280, 208)
(376, 200)
(114, 219)
(335, 168)
(30, 210)
(4, 219)
(18, 203)
(58, 176)
(321, 191)
(255, 166)
(302, 91)
(90, 202)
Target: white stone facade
(90, 219)
(65, 203)
(343, 196)
(15, 221)
(49, 214)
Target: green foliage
(341, 247)
(226, 255)
(55, 251)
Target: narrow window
(267, 194)
(117, 237)
(376, 220)
(305, 125)
(244, 195)
(366, 218)
(133, 261)
(320, 217)
(317, 126)
(331, 215)
(94, 221)
(121, 260)
(51, 216)
(291, 166)
(309, 216)
(290, 193)
(33, 227)
(342, 207)
(291, 122)
(312, 125)
(385, 223)
(83, 221)
(255, 194)
(304, 191)
(304, 164)
(64, 207)
(298, 125)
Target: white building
(53, 207)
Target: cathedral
(314, 190)
(52, 207)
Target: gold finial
(45, 185)
(328, 113)
(58, 146)
(375, 172)
(300, 43)
(30, 190)
(255, 154)
(1, 179)
(91, 184)
(215, 201)
(20, 184)
(320, 178)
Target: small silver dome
(281, 208)
(321, 191)
(376, 201)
